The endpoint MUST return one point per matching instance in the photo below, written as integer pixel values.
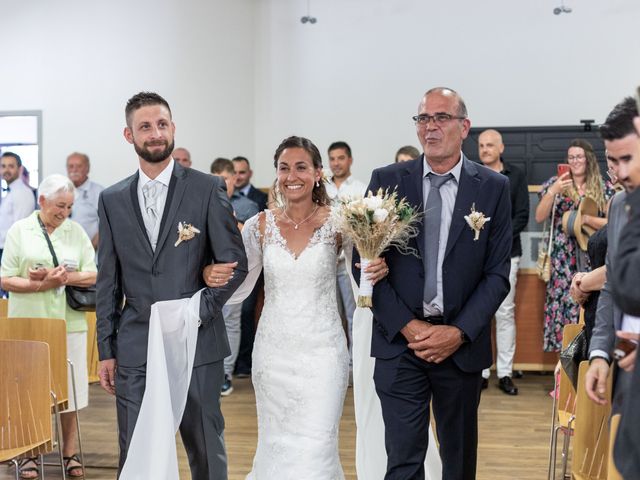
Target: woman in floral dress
(584, 179)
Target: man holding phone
(620, 139)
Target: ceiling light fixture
(308, 18)
(562, 9)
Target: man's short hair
(14, 155)
(344, 145)
(83, 156)
(462, 107)
(241, 159)
(619, 122)
(143, 99)
(221, 165)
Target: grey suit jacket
(130, 269)
(608, 315)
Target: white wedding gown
(300, 358)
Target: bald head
(461, 107)
(490, 147)
(182, 156)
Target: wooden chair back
(49, 330)
(25, 396)
(567, 396)
(4, 307)
(591, 433)
(613, 473)
(93, 359)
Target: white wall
(358, 74)
(243, 74)
(79, 62)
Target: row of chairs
(575, 415)
(24, 333)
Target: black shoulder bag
(82, 299)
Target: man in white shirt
(341, 185)
(18, 201)
(85, 205)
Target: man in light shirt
(17, 202)
(341, 185)
(85, 205)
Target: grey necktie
(433, 211)
(150, 191)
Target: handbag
(82, 299)
(576, 352)
(543, 264)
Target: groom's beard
(154, 157)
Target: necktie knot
(150, 193)
(438, 180)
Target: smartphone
(624, 348)
(563, 168)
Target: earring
(317, 184)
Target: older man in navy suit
(432, 312)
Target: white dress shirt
(85, 207)
(163, 183)
(18, 204)
(349, 188)
(448, 192)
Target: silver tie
(150, 191)
(433, 212)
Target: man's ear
(128, 135)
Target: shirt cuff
(599, 353)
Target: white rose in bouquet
(372, 202)
(380, 215)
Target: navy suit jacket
(475, 273)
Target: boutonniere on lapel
(186, 232)
(476, 221)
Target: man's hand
(107, 374)
(629, 361)
(218, 274)
(576, 293)
(595, 382)
(437, 343)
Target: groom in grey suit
(140, 264)
(620, 140)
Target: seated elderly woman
(36, 289)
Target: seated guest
(37, 290)
(85, 205)
(406, 153)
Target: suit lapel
(177, 186)
(467, 195)
(131, 199)
(412, 189)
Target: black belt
(435, 320)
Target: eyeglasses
(575, 158)
(438, 118)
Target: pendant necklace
(296, 225)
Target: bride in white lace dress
(300, 357)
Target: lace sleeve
(253, 249)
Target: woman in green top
(36, 289)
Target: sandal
(28, 468)
(69, 469)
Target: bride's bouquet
(374, 223)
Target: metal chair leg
(58, 440)
(553, 426)
(75, 402)
(565, 446)
(41, 466)
(15, 464)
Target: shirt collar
(347, 181)
(84, 185)
(164, 177)
(245, 189)
(455, 171)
